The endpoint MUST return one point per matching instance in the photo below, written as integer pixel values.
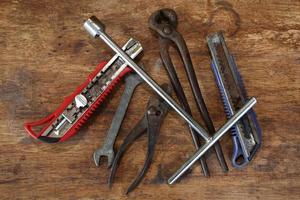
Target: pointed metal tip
(170, 181)
(96, 160)
(129, 190)
(109, 183)
(111, 177)
(225, 169)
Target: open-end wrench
(107, 149)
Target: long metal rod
(212, 141)
(96, 29)
(154, 85)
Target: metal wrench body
(131, 82)
(96, 29)
(234, 119)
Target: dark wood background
(45, 54)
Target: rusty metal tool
(131, 82)
(246, 134)
(164, 22)
(150, 123)
(66, 120)
(96, 29)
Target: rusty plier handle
(164, 22)
(149, 124)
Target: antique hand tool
(199, 153)
(164, 22)
(131, 82)
(150, 123)
(96, 29)
(76, 108)
(246, 134)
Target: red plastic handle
(28, 126)
(47, 121)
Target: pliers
(150, 124)
(164, 22)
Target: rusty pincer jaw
(164, 22)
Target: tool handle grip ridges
(46, 122)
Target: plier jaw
(164, 22)
(150, 124)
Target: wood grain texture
(45, 54)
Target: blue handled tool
(246, 134)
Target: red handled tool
(76, 108)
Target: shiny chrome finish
(231, 122)
(96, 29)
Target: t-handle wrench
(95, 28)
(200, 152)
(107, 149)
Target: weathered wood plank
(45, 54)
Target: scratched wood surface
(45, 54)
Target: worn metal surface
(107, 149)
(96, 28)
(149, 124)
(214, 138)
(165, 22)
(45, 54)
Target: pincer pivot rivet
(167, 30)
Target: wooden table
(45, 54)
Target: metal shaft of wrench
(200, 152)
(95, 28)
(107, 149)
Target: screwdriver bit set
(75, 110)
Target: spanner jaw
(104, 153)
(131, 82)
